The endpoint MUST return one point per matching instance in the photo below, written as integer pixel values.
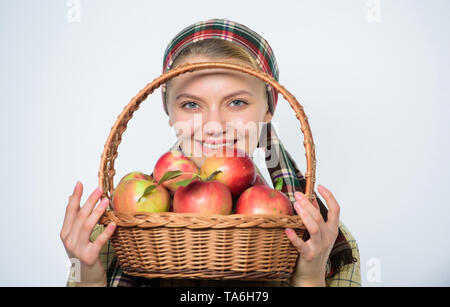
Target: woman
(211, 110)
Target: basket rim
(140, 224)
(200, 221)
(107, 171)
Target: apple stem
(195, 175)
(210, 177)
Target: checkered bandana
(231, 31)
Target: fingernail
(299, 195)
(289, 231)
(297, 207)
(111, 225)
(76, 185)
(98, 191)
(104, 202)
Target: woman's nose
(213, 122)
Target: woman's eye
(189, 105)
(239, 103)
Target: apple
(262, 199)
(136, 175)
(174, 160)
(237, 169)
(203, 197)
(129, 196)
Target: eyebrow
(186, 95)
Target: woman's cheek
(248, 136)
(183, 127)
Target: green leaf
(184, 182)
(169, 175)
(147, 191)
(278, 183)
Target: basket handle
(107, 171)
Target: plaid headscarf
(286, 168)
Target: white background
(376, 92)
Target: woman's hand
(75, 233)
(314, 253)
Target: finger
(306, 204)
(313, 213)
(310, 224)
(84, 213)
(316, 204)
(333, 206)
(91, 201)
(92, 220)
(72, 209)
(298, 243)
(103, 238)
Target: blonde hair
(216, 49)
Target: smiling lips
(214, 144)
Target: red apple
(262, 199)
(136, 175)
(129, 197)
(237, 169)
(203, 197)
(174, 160)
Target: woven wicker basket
(176, 245)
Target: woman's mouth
(211, 144)
(219, 145)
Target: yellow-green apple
(262, 199)
(203, 197)
(238, 171)
(140, 195)
(174, 160)
(136, 175)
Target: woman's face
(214, 108)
